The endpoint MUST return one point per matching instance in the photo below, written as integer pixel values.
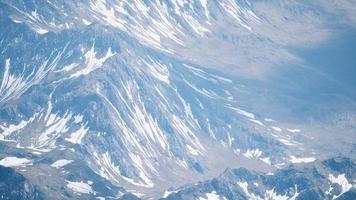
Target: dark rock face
(15, 186)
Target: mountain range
(177, 99)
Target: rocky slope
(329, 179)
(103, 99)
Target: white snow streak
(293, 130)
(13, 86)
(302, 160)
(77, 136)
(9, 129)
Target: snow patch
(254, 153)
(269, 120)
(61, 163)
(302, 160)
(293, 130)
(92, 62)
(80, 187)
(14, 162)
(342, 182)
(212, 196)
(249, 195)
(275, 128)
(266, 160)
(40, 30)
(271, 194)
(168, 192)
(86, 22)
(256, 122)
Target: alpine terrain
(177, 99)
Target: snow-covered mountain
(309, 181)
(116, 99)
